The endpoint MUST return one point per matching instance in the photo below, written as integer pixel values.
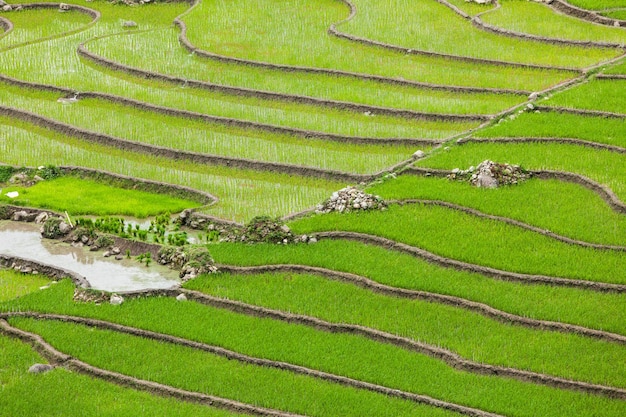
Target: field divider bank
(61, 359)
(569, 9)
(268, 95)
(510, 221)
(458, 302)
(224, 121)
(464, 266)
(569, 141)
(49, 270)
(602, 190)
(332, 30)
(232, 355)
(199, 158)
(581, 112)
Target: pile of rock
(491, 174)
(83, 295)
(192, 261)
(351, 199)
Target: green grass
(265, 192)
(61, 392)
(618, 14)
(96, 198)
(195, 136)
(590, 309)
(199, 371)
(352, 356)
(605, 167)
(598, 4)
(546, 22)
(609, 131)
(15, 284)
(266, 31)
(471, 335)
(563, 208)
(597, 94)
(464, 237)
(33, 25)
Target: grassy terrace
(437, 325)
(25, 394)
(326, 52)
(603, 166)
(93, 197)
(275, 193)
(477, 241)
(575, 306)
(598, 94)
(548, 23)
(564, 208)
(397, 22)
(266, 338)
(182, 134)
(608, 131)
(477, 316)
(32, 25)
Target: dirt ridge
(458, 302)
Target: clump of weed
(55, 228)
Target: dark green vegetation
(457, 299)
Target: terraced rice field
(454, 300)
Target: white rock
(533, 95)
(116, 300)
(12, 194)
(181, 297)
(40, 368)
(418, 154)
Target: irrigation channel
(108, 274)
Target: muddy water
(24, 240)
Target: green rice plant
(290, 27)
(563, 208)
(598, 4)
(341, 354)
(466, 238)
(547, 22)
(570, 305)
(169, 58)
(35, 24)
(597, 94)
(25, 394)
(243, 193)
(204, 372)
(15, 284)
(617, 14)
(482, 339)
(605, 167)
(195, 136)
(609, 131)
(82, 196)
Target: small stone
(129, 24)
(116, 299)
(40, 368)
(7, 8)
(312, 240)
(26, 270)
(41, 217)
(616, 24)
(533, 96)
(284, 228)
(106, 254)
(118, 257)
(530, 106)
(64, 228)
(181, 297)
(64, 7)
(418, 154)
(115, 250)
